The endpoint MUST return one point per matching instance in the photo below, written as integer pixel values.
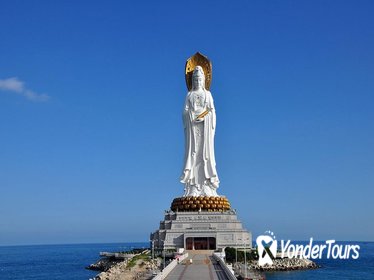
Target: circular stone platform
(203, 203)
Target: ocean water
(47, 262)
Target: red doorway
(200, 243)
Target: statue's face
(198, 82)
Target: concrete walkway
(202, 267)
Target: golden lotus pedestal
(200, 203)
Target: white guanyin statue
(199, 173)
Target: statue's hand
(199, 120)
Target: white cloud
(35, 96)
(17, 86)
(11, 84)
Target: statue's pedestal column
(201, 230)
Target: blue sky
(91, 94)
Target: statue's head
(198, 78)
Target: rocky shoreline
(103, 264)
(140, 266)
(142, 270)
(284, 264)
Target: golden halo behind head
(205, 63)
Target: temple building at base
(201, 231)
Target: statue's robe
(199, 170)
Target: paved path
(203, 267)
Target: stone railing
(165, 272)
(229, 273)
